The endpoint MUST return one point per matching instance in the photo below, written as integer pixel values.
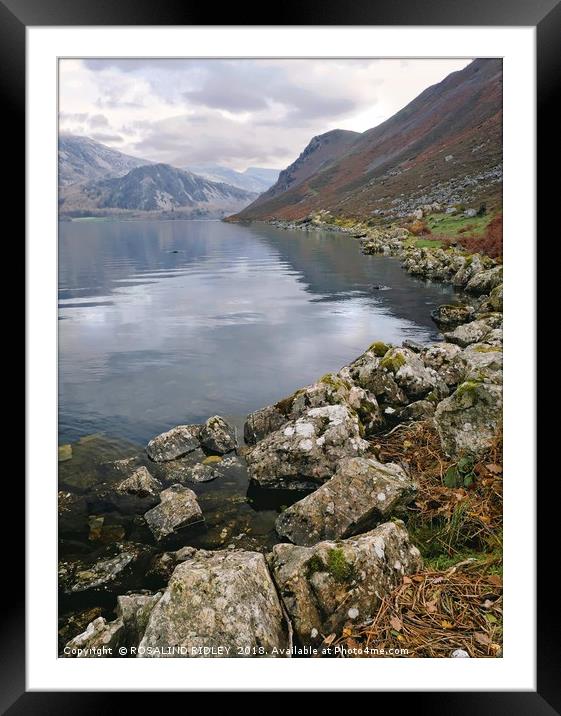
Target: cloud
(234, 112)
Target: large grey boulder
(217, 436)
(441, 358)
(410, 373)
(333, 583)
(223, 602)
(331, 389)
(178, 508)
(305, 452)
(485, 281)
(134, 610)
(481, 362)
(362, 493)
(475, 331)
(174, 443)
(468, 421)
(367, 372)
(472, 265)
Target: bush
(491, 243)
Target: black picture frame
(545, 16)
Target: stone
(178, 508)
(140, 483)
(471, 266)
(263, 422)
(467, 422)
(134, 611)
(475, 331)
(319, 585)
(202, 473)
(362, 493)
(496, 298)
(64, 452)
(174, 443)
(481, 362)
(410, 373)
(221, 603)
(470, 213)
(107, 573)
(485, 281)
(419, 410)
(305, 452)
(163, 564)
(441, 358)
(217, 436)
(367, 372)
(450, 315)
(101, 639)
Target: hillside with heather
(445, 146)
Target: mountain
(319, 154)
(157, 188)
(83, 159)
(255, 179)
(445, 146)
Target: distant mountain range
(254, 179)
(83, 159)
(444, 146)
(95, 180)
(155, 188)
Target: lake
(162, 323)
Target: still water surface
(163, 323)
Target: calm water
(163, 323)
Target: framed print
(280, 296)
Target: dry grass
(456, 601)
(432, 614)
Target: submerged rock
(178, 508)
(140, 483)
(224, 601)
(467, 421)
(174, 443)
(333, 583)
(447, 316)
(362, 493)
(107, 573)
(305, 452)
(202, 473)
(217, 436)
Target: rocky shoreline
(343, 543)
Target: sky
(236, 113)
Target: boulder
(474, 332)
(441, 358)
(174, 443)
(178, 508)
(262, 422)
(221, 603)
(202, 473)
(335, 583)
(362, 493)
(101, 639)
(410, 373)
(496, 298)
(481, 362)
(472, 265)
(449, 315)
(109, 572)
(134, 610)
(485, 281)
(331, 389)
(140, 483)
(305, 452)
(367, 372)
(217, 436)
(468, 421)
(419, 410)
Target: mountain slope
(83, 159)
(254, 179)
(445, 145)
(319, 154)
(157, 188)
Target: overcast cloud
(237, 113)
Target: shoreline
(322, 439)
